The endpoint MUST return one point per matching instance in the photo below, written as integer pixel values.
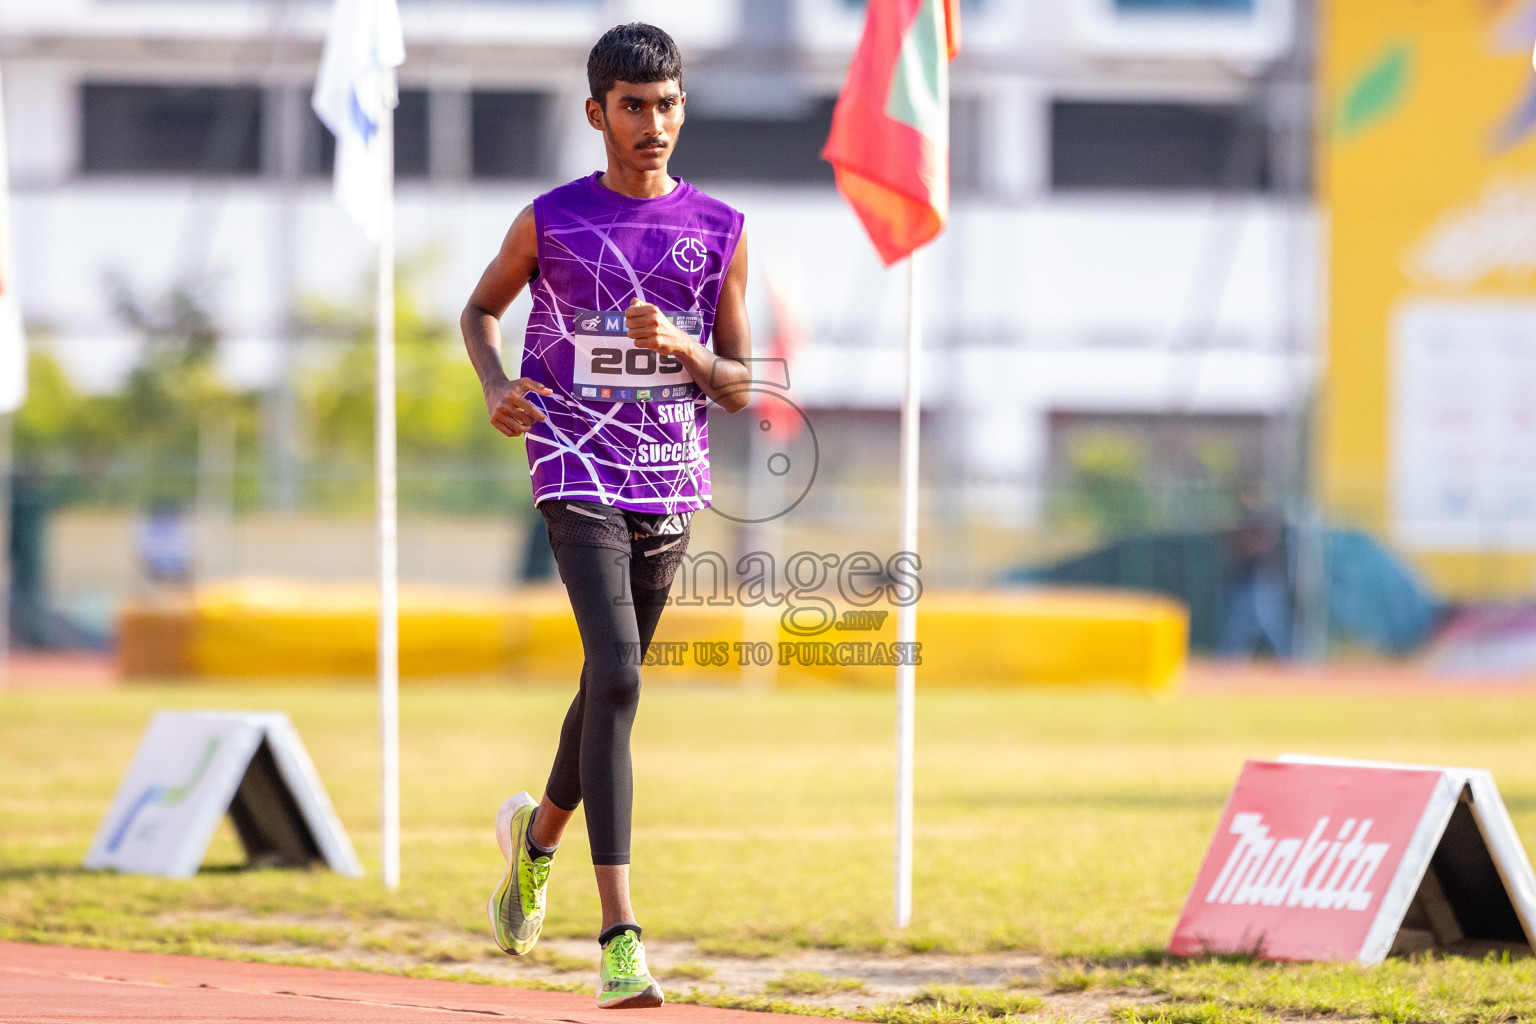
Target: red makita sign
(1302, 860)
(1271, 871)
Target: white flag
(13, 343)
(356, 85)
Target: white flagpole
(389, 555)
(355, 96)
(906, 615)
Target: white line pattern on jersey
(596, 253)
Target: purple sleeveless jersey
(623, 427)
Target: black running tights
(593, 762)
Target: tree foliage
(450, 457)
(141, 444)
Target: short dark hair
(637, 53)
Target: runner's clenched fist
(650, 328)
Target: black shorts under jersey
(655, 541)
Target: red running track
(48, 984)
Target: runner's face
(640, 122)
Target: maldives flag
(890, 132)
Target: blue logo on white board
(168, 796)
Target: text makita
(1326, 874)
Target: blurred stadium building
(1122, 318)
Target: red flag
(890, 132)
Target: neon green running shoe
(516, 907)
(624, 983)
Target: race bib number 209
(609, 367)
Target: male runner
(634, 274)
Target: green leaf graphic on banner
(1375, 93)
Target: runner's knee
(615, 688)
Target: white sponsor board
(191, 769)
(1463, 425)
(1331, 859)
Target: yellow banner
(1427, 149)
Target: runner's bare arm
(725, 374)
(508, 274)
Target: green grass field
(1062, 824)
